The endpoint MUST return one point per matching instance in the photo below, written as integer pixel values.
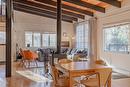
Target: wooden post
(59, 20)
(8, 36)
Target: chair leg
(36, 63)
(29, 64)
(21, 62)
(24, 63)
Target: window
(36, 39)
(52, 40)
(117, 38)
(32, 39)
(28, 39)
(49, 40)
(2, 37)
(45, 40)
(82, 35)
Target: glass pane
(28, 39)
(2, 38)
(52, 40)
(3, 7)
(45, 40)
(116, 38)
(36, 39)
(82, 36)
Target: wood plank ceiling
(71, 9)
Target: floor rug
(33, 76)
(116, 75)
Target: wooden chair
(64, 61)
(101, 62)
(59, 81)
(102, 81)
(28, 57)
(62, 81)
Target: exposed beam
(50, 8)
(8, 36)
(87, 5)
(112, 2)
(44, 11)
(53, 3)
(59, 17)
(38, 13)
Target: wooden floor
(19, 81)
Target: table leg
(70, 80)
(109, 82)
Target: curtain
(93, 38)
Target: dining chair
(101, 81)
(28, 57)
(101, 62)
(61, 61)
(59, 81)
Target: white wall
(28, 22)
(114, 15)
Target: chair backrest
(90, 77)
(105, 75)
(101, 62)
(29, 55)
(102, 77)
(64, 61)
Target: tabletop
(82, 65)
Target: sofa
(44, 54)
(71, 53)
(75, 53)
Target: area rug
(116, 75)
(33, 76)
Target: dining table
(81, 68)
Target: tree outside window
(116, 39)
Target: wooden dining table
(77, 69)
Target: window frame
(33, 32)
(116, 25)
(25, 38)
(49, 33)
(33, 39)
(86, 28)
(41, 39)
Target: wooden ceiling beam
(38, 13)
(112, 2)
(42, 6)
(87, 5)
(53, 3)
(43, 11)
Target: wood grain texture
(18, 81)
(77, 69)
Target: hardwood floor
(19, 81)
(121, 82)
